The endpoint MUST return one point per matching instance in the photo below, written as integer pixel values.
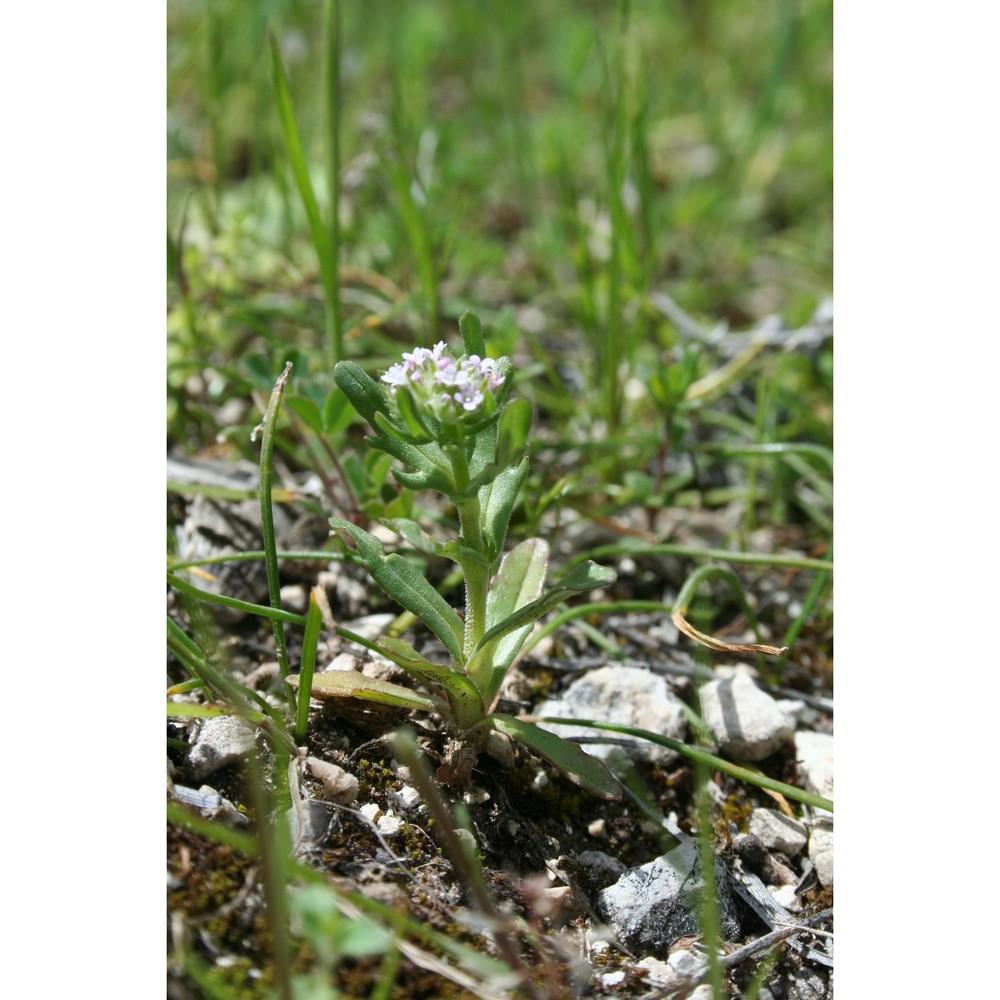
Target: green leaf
(518, 582)
(461, 694)
(580, 767)
(587, 576)
(307, 411)
(336, 413)
(497, 501)
(361, 389)
(411, 416)
(404, 583)
(512, 432)
(350, 684)
(472, 333)
(411, 532)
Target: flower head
(449, 389)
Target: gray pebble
(221, 741)
(746, 722)
(629, 696)
(652, 906)
(778, 832)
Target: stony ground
(605, 887)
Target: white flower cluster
(448, 388)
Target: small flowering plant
(450, 424)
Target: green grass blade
(314, 620)
(697, 754)
(300, 173)
(579, 766)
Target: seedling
(451, 425)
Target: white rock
(746, 722)
(612, 978)
(778, 832)
(657, 972)
(814, 752)
(406, 798)
(389, 824)
(821, 853)
(630, 696)
(652, 906)
(294, 597)
(338, 784)
(369, 810)
(221, 741)
(785, 894)
(685, 963)
(703, 992)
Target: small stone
(814, 752)
(703, 992)
(221, 741)
(785, 895)
(657, 972)
(685, 963)
(597, 828)
(629, 696)
(656, 904)
(778, 832)
(389, 824)
(338, 784)
(821, 853)
(597, 870)
(745, 721)
(294, 597)
(370, 810)
(500, 748)
(612, 978)
(407, 797)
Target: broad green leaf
(512, 432)
(472, 333)
(361, 389)
(580, 767)
(497, 501)
(404, 583)
(411, 532)
(518, 582)
(350, 684)
(461, 694)
(336, 412)
(587, 576)
(411, 416)
(307, 411)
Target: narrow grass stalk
(388, 974)
(331, 94)
(267, 523)
(697, 754)
(471, 961)
(300, 173)
(275, 614)
(466, 861)
(638, 546)
(274, 842)
(594, 608)
(816, 592)
(414, 216)
(254, 555)
(711, 937)
(314, 620)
